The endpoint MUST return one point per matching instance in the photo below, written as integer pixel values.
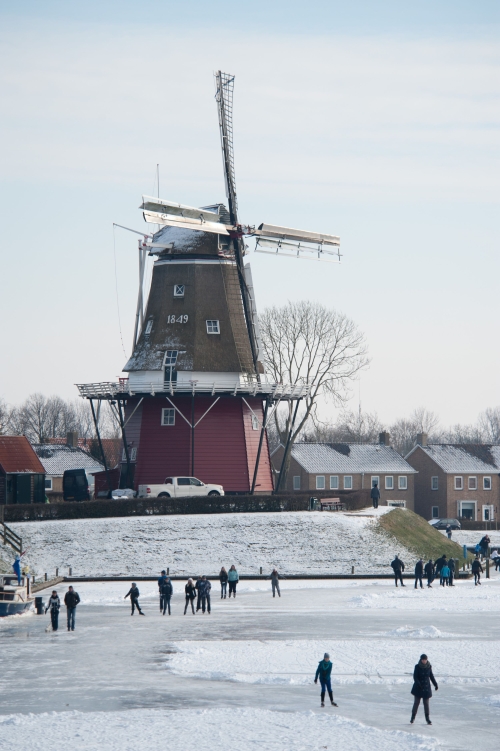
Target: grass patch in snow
(413, 532)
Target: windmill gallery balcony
(122, 388)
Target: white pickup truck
(177, 487)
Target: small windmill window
(179, 290)
(213, 327)
(168, 416)
(149, 326)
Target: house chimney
(384, 439)
(72, 439)
(422, 439)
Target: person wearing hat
(166, 593)
(54, 605)
(324, 672)
(133, 593)
(422, 679)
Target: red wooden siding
(264, 481)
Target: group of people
(71, 600)
(443, 569)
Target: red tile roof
(16, 455)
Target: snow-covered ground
(473, 536)
(294, 542)
(242, 678)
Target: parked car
(443, 523)
(177, 487)
(123, 494)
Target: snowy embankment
(471, 537)
(224, 729)
(303, 542)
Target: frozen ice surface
(201, 729)
(241, 678)
(300, 542)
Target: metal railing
(272, 391)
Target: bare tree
(404, 431)
(489, 424)
(351, 427)
(307, 343)
(5, 417)
(463, 434)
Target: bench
(332, 504)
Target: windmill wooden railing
(9, 537)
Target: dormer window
(149, 326)
(179, 290)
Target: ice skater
(161, 581)
(477, 570)
(439, 565)
(496, 559)
(451, 566)
(324, 672)
(166, 593)
(375, 495)
(198, 587)
(429, 572)
(444, 579)
(223, 583)
(205, 594)
(422, 679)
(54, 605)
(233, 579)
(419, 572)
(134, 593)
(190, 591)
(398, 567)
(71, 600)
(275, 582)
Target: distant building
(457, 481)
(350, 466)
(112, 447)
(56, 459)
(22, 475)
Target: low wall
(481, 526)
(236, 504)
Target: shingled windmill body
(197, 399)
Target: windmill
(197, 399)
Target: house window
(213, 327)
(178, 290)
(347, 482)
(435, 512)
(434, 483)
(467, 510)
(255, 423)
(389, 482)
(402, 482)
(459, 483)
(375, 481)
(149, 326)
(472, 483)
(48, 483)
(486, 483)
(168, 416)
(397, 504)
(320, 482)
(334, 482)
(296, 482)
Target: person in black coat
(477, 570)
(133, 593)
(199, 589)
(190, 591)
(429, 572)
(422, 679)
(166, 593)
(419, 572)
(439, 564)
(54, 605)
(223, 583)
(375, 495)
(71, 600)
(398, 567)
(451, 566)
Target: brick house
(350, 466)
(22, 476)
(456, 480)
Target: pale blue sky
(375, 121)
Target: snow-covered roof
(57, 459)
(349, 457)
(466, 458)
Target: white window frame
(491, 512)
(149, 327)
(320, 482)
(179, 290)
(472, 486)
(334, 482)
(436, 479)
(296, 482)
(403, 482)
(167, 417)
(51, 486)
(397, 504)
(460, 508)
(488, 479)
(213, 327)
(348, 477)
(389, 478)
(435, 515)
(375, 479)
(459, 482)
(255, 422)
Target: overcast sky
(378, 122)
